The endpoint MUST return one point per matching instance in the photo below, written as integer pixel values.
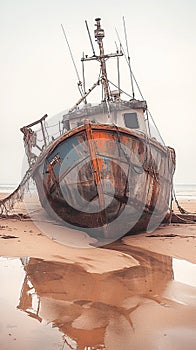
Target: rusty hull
(100, 177)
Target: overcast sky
(37, 75)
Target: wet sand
(43, 238)
(136, 293)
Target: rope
(181, 210)
(183, 220)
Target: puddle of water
(17, 331)
(52, 305)
(184, 272)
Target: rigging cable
(140, 92)
(120, 88)
(129, 61)
(79, 81)
(90, 38)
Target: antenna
(123, 51)
(84, 82)
(90, 38)
(118, 68)
(79, 81)
(129, 63)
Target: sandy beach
(121, 296)
(41, 238)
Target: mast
(99, 35)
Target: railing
(35, 141)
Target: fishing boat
(106, 173)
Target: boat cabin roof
(128, 114)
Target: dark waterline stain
(144, 306)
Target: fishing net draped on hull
(31, 142)
(7, 203)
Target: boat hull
(106, 180)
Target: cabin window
(67, 125)
(80, 123)
(131, 120)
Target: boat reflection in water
(113, 310)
